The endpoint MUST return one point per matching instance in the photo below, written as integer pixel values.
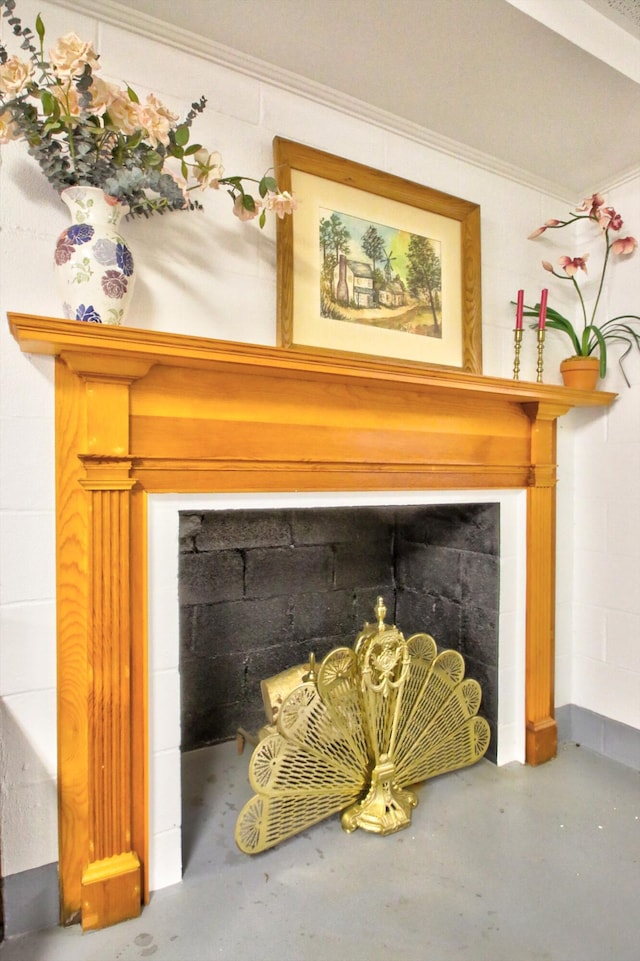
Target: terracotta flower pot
(580, 372)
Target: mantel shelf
(53, 336)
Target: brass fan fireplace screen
(354, 736)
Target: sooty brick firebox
(260, 589)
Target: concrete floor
(500, 864)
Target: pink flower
(541, 230)
(624, 245)
(282, 203)
(592, 204)
(572, 266)
(242, 212)
(609, 219)
(547, 266)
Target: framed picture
(373, 264)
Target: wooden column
(541, 733)
(97, 684)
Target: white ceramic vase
(93, 264)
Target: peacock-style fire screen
(356, 734)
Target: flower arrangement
(84, 130)
(592, 337)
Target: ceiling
(550, 87)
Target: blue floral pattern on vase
(93, 264)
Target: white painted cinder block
(622, 640)
(27, 556)
(217, 278)
(28, 647)
(32, 489)
(29, 734)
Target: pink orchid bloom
(572, 265)
(588, 335)
(592, 204)
(609, 219)
(541, 230)
(624, 245)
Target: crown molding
(117, 14)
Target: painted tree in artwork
(424, 273)
(326, 243)
(334, 240)
(339, 236)
(373, 245)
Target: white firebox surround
(165, 841)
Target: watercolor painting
(380, 276)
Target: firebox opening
(260, 589)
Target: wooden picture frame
(418, 303)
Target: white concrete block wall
(207, 274)
(606, 642)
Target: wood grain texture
(141, 412)
(72, 587)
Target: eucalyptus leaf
(125, 149)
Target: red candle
(542, 317)
(519, 309)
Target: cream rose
(282, 203)
(14, 76)
(156, 119)
(241, 211)
(124, 115)
(103, 94)
(68, 98)
(8, 130)
(208, 169)
(70, 54)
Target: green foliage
(83, 131)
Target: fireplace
(165, 849)
(141, 414)
(260, 589)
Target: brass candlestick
(540, 353)
(517, 344)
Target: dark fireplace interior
(260, 589)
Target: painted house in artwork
(353, 283)
(392, 295)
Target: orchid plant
(592, 337)
(84, 130)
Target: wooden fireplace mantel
(141, 412)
